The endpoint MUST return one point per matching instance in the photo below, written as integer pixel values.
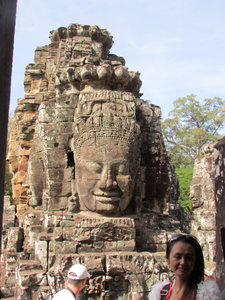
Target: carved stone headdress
(106, 114)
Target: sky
(178, 46)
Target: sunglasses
(177, 236)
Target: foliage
(178, 158)
(185, 176)
(190, 126)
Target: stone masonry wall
(73, 200)
(202, 193)
(220, 209)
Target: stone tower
(207, 194)
(202, 193)
(92, 182)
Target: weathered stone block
(46, 114)
(53, 219)
(59, 189)
(34, 218)
(90, 247)
(29, 265)
(114, 265)
(67, 223)
(41, 251)
(56, 159)
(77, 234)
(59, 234)
(32, 278)
(69, 247)
(15, 239)
(125, 245)
(57, 203)
(43, 292)
(8, 292)
(11, 278)
(11, 260)
(54, 245)
(110, 246)
(64, 115)
(63, 101)
(56, 175)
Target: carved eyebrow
(93, 161)
(122, 162)
(100, 162)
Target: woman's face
(182, 259)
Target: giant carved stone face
(105, 175)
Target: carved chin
(196, 203)
(104, 205)
(107, 207)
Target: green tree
(190, 126)
(185, 177)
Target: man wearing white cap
(77, 277)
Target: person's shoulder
(208, 288)
(209, 284)
(63, 294)
(156, 289)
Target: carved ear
(73, 203)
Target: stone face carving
(92, 181)
(107, 155)
(207, 191)
(219, 156)
(202, 193)
(104, 182)
(202, 185)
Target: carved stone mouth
(107, 199)
(107, 194)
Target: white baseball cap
(77, 272)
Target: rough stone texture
(202, 193)
(92, 181)
(220, 209)
(7, 25)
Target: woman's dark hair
(197, 274)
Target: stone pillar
(220, 209)
(202, 191)
(7, 25)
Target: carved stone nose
(107, 181)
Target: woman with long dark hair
(185, 258)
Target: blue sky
(178, 46)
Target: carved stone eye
(94, 167)
(122, 169)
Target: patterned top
(206, 290)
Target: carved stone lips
(107, 199)
(107, 194)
